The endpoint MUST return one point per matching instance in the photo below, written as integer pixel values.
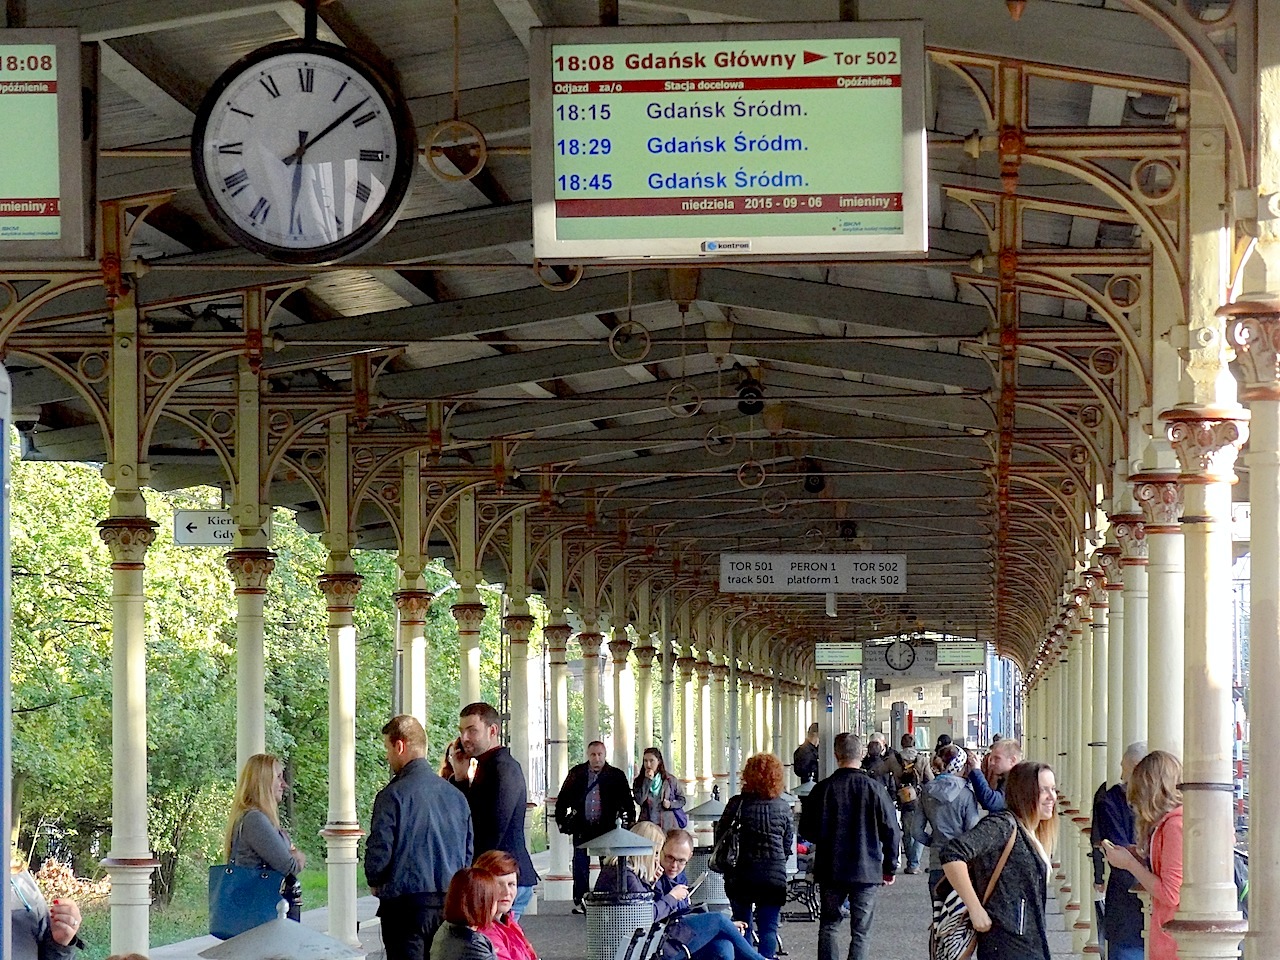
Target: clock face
(303, 153)
(900, 655)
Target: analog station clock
(899, 655)
(303, 152)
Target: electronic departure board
(45, 169)
(728, 141)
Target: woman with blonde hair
(254, 837)
(1157, 806)
(1011, 923)
(640, 871)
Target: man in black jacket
(852, 821)
(592, 798)
(419, 837)
(494, 784)
(804, 762)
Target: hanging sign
(966, 655)
(206, 528)
(813, 573)
(837, 656)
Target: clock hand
(296, 156)
(297, 180)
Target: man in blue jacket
(854, 825)
(419, 837)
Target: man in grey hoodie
(948, 808)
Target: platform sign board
(728, 141)
(206, 528)
(961, 655)
(842, 655)
(47, 165)
(813, 573)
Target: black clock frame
(368, 232)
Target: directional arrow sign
(205, 528)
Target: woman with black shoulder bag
(1011, 923)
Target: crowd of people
(446, 855)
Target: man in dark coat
(494, 784)
(854, 825)
(420, 835)
(1113, 820)
(593, 797)
(804, 762)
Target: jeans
(911, 847)
(1118, 951)
(581, 873)
(408, 927)
(523, 896)
(716, 938)
(935, 876)
(862, 904)
(766, 924)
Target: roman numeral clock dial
(303, 152)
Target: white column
(704, 767)
(129, 862)
(1131, 534)
(589, 641)
(624, 700)
(412, 606)
(250, 567)
(719, 726)
(645, 653)
(342, 832)
(519, 625)
(1160, 496)
(1109, 557)
(1206, 440)
(687, 773)
(558, 884)
(1256, 335)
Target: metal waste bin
(611, 920)
(711, 894)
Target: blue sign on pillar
(830, 704)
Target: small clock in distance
(900, 655)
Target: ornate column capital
(1160, 496)
(720, 671)
(1109, 560)
(557, 637)
(250, 567)
(519, 626)
(685, 666)
(1131, 536)
(703, 669)
(644, 656)
(413, 604)
(468, 616)
(128, 539)
(340, 590)
(1096, 581)
(1253, 327)
(1206, 440)
(589, 641)
(620, 647)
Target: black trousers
(409, 924)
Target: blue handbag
(241, 898)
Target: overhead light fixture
(814, 481)
(848, 530)
(1015, 8)
(750, 394)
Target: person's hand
(1120, 857)
(64, 921)
(666, 804)
(680, 891)
(742, 927)
(460, 762)
(1098, 888)
(299, 858)
(980, 919)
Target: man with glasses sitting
(705, 936)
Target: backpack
(909, 785)
(882, 774)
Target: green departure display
(30, 190)
(732, 140)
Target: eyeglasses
(668, 858)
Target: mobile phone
(1107, 843)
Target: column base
(130, 901)
(341, 840)
(1208, 939)
(557, 888)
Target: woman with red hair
(757, 883)
(509, 941)
(470, 905)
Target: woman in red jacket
(1157, 805)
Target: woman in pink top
(509, 941)
(1157, 804)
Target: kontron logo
(726, 246)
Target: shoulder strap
(1008, 849)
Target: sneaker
(912, 870)
(579, 908)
